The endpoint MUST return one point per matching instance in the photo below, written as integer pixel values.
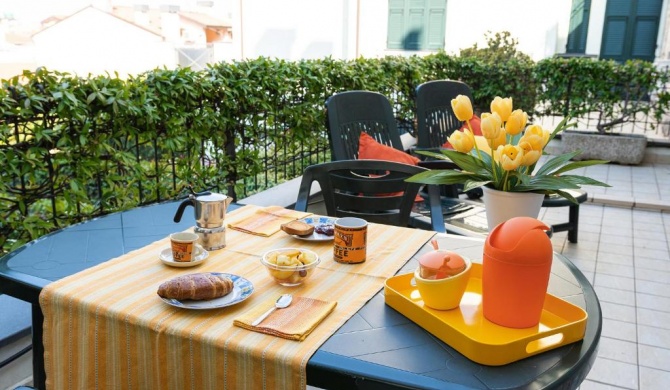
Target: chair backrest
(374, 190)
(435, 118)
(352, 112)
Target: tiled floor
(624, 251)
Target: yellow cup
(443, 294)
(184, 246)
(350, 240)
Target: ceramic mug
(184, 247)
(350, 240)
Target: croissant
(196, 287)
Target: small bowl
(443, 294)
(290, 271)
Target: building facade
(131, 36)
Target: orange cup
(184, 246)
(351, 236)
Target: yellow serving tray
(467, 330)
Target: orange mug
(351, 236)
(184, 246)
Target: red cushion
(476, 129)
(369, 149)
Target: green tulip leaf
(579, 164)
(555, 163)
(440, 176)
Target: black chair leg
(39, 374)
(573, 218)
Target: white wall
(372, 28)
(540, 26)
(596, 24)
(292, 29)
(192, 34)
(295, 29)
(95, 42)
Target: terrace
(623, 250)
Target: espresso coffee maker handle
(182, 207)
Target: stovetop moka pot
(210, 215)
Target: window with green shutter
(579, 26)
(416, 24)
(631, 29)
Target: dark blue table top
(377, 348)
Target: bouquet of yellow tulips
(505, 156)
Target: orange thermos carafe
(515, 272)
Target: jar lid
(439, 264)
(520, 240)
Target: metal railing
(45, 196)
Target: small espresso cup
(351, 236)
(184, 246)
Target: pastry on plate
(196, 287)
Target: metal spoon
(282, 302)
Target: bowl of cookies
(290, 266)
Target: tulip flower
(539, 131)
(504, 153)
(501, 140)
(532, 145)
(509, 156)
(462, 107)
(532, 149)
(502, 107)
(516, 122)
(462, 141)
(535, 142)
(490, 125)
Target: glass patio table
(376, 348)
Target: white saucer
(314, 221)
(166, 258)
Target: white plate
(166, 258)
(316, 221)
(242, 288)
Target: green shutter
(396, 25)
(614, 37)
(631, 29)
(414, 34)
(416, 24)
(435, 21)
(644, 40)
(579, 26)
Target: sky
(36, 10)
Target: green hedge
(74, 147)
(615, 92)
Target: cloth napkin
(295, 322)
(267, 221)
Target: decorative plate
(166, 258)
(314, 221)
(242, 288)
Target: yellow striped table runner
(106, 327)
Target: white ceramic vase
(503, 205)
